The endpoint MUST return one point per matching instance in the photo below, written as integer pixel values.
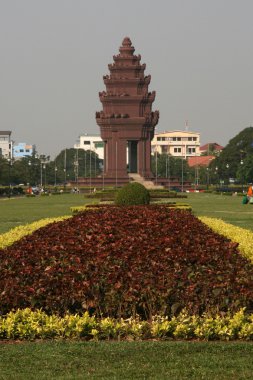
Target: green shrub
(132, 194)
(27, 324)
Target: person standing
(250, 192)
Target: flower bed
(19, 232)
(237, 234)
(120, 262)
(29, 325)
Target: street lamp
(44, 167)
(168, 172)
(156, 165)
(55, 175)
(29, 172)
(85, 172)
(227, 166)
(216, 173)
(207, 178)
(182, 179)
(9, 176)
(242, 173)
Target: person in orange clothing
(250, 192)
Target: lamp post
(207, 178)
(227, 166)
(90, 167)
(216, 173)
(29, 172)
(85, 172)
(156, 165)
(103, 174)
(45, 181)
(182, 175)
(9, 176)
(242, 178)
(168, 166)
(55, 175)
(41, 179)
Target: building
(5, 144)
(91, 142)
(200, 161)
(211, 148)
(23, 150)
(176, 143)
(127, 121)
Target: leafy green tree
(236, 157)
(245, 170)
(72, 163)
(169, 166)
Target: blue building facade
(23, 150)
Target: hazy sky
(54, 53)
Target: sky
(54, 53)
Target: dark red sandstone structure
(127, 121)
(127, 125)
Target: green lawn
(228, 208)
(18, 211)
(15, 212)
(124, 360)
(127, 360)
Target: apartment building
(23, 150)
(176, 143)
(5, 144)
(91, 142)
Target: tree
(169, 166)
(237, 154)
(72, 163)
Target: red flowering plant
(121, 262)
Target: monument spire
(127, 121)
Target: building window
(99, 144)
(191, 150)
(27, 150)
(21, 150)
(86, 142)
(194, 138)
(161, 138)
(177, 150)
(176, 138)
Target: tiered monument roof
(127, 117)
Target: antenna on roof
(186, 125)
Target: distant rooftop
(211, 146)
(5, 133)
(200, 160)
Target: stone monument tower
(127, 121)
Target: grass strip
(127, 360)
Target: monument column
(127, 114)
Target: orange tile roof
(200, 160)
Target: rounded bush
(132, 194)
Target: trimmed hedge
(132, 194)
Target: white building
(5, 144)
(91, 142)
(176, 143)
